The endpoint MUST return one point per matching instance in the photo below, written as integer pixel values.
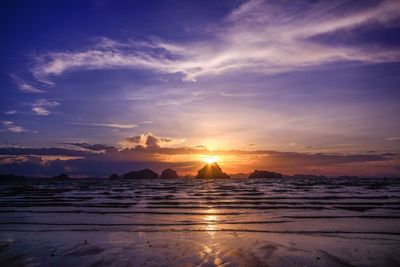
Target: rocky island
(169, 174)
(211, 171)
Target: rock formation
(114, 176)
(211, 171)
(62, 176)
(142, 174)
(265, 174)
(169, 174)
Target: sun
(210, 159)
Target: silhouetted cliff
(114, 176)
(169, 174)
(211, 171)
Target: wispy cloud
(41, 111)
(238, 94)
(24, 86)
(182, 100)
(11, 127)
(41, 106)
(257, 36)
(394, 138)
(10, 112)
(111, 125)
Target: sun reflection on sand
(211, 247)
(211, 221)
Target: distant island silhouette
(265, 174)
(208, 171)
(169, 174)
(211, 171)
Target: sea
(189, 222)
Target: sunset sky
(95, 87)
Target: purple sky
(291, 86)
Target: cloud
(240, 95)
(55, 63)
(11, 127)
(41, 111)
(149, 141)
(111, 125)
(41, 106)
(24, 86)
(182, 99)
(258, 36)
(52, 151)
(96, 147)
(10, 112)
(395, 138)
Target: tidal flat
(187, 222)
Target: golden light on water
(211, 248)
(211, 221)
(211, 218)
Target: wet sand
(200, 223)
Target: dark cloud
(389, 155)
(134, 139)
(29, 166)
(43, 151)
(91, 166)
(95, 147)
(291, 159)
(153, 142)
(149, 141)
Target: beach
(187, 222)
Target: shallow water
(274, 222)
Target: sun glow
(210, 159)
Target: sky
(96, 87)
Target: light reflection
(210, 218)
(211, 221)
(211, 247)
(207, 249)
